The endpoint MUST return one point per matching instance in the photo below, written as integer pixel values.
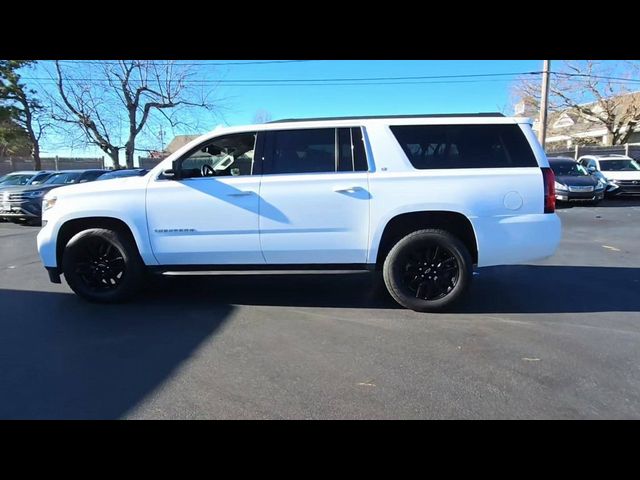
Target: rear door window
(464, 146)
(317, 150)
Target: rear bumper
(516, 239)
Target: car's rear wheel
(428, 270)
(102, 265)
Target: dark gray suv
(24, 204)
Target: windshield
(569, 169)
(122, 173)
(38, 179)
(62, 178)
(21, 179)
(622, 165)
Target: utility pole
(544, 99)
(161, 139)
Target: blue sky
(238, 104)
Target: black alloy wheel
(102, 265)
(428, 270)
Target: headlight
(48, 203)
(600, 185)
(560, 186)
(613, 182)
(36, 194)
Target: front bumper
(23, 209)
(624, 190)
(46, 244)
(54, 274)
(565, 196)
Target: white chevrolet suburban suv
(424, 199)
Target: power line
(195, 82)
(603, 77)
(249, 62)
(365, 81)
(328, 81)
(420, 77)
(344, 79)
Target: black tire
(410, 266)
(103, 266)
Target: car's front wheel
(102, 265)
(428, 270)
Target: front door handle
(347, 189)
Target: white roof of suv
(440, 119)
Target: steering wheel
(207, 170)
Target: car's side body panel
(314, 218)
(204, 220)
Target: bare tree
(595, 91)
(262, 116)
(26, 110)
(112, 103)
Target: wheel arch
(76, 225)
(404, 223)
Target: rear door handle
(347, 189)
(240, 194)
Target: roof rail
(373, 117)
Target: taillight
(549, 181)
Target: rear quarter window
(464, 146)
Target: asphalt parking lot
(554, 339)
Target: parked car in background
(127, 172)
(621, 173)
(25, 177)
(575, 183)
(23, 204)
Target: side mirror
(169, 173)
(172, 173)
